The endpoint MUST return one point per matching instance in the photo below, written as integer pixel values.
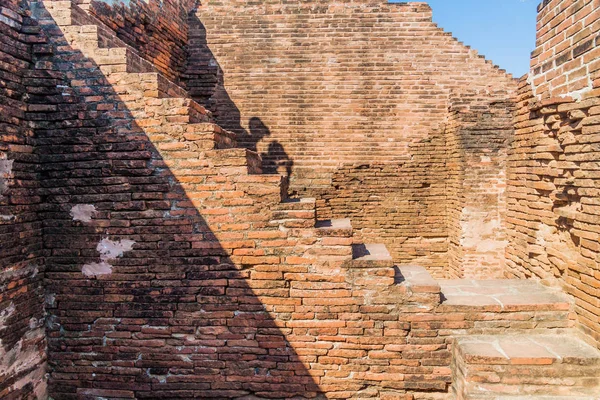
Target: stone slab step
(373, 255)
(418, 279)
(334, 227)
(528, 350)
(525, 365)
(501, 295)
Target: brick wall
(566, 58)
(409, 196)
(477, 142)
(22, 338)
(158, 29)
(553, 179)
(332, 89)
(173, 269)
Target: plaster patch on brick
(109, 250)
(7, 218)
(39, 381)
(6, 313)
(544, 235)
(479, 232)
(97, 269)
(6, 167)
(22, 356)
(50, 300)
(52, 322)
(530, 79)
(83, 212)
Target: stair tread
(343, 223)
(370, 252)
(300, 200)
(502, 294)
(527, 349)
(419, 279)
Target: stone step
(524, 365)
(297, 204)
(213, 134)
(262, 187)
(370, 256)
(296, 214)
(418, 279)
(501, 295)
(334, 228)
(419, 285)
(170, 111)
(236, 161)
(113, 60)
(156, 85)
(56, 12)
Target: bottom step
(371, 256)
(494, 367)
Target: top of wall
(565, 61)
(420, 14)
(543, 4)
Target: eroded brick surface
(22, 336)
(553, 168)
(176, 266)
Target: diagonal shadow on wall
(206, 81)
(176, 317)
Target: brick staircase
(511, 339)
(192, 146)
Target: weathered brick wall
(326, 89)
(477, 142)
(173, 270)
(554, 169)
(410, 196)
(566, 58)
(22, 338)
(157, 29)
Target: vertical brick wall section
(22, 336)
(477, 139)
(341, 94)
(553, 170)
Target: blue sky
(502, 30)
